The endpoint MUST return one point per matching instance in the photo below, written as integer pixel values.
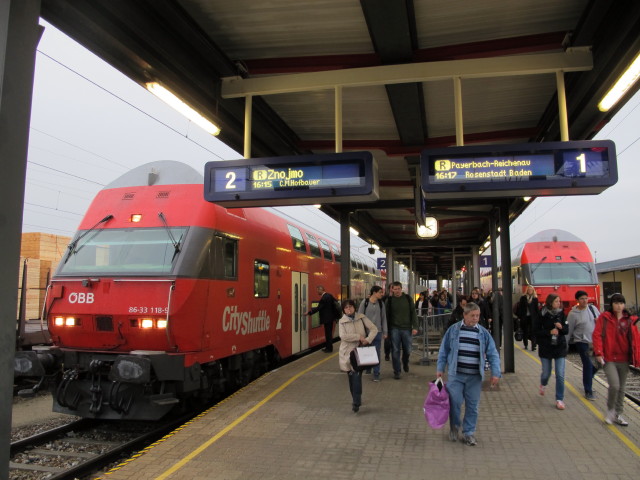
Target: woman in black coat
(528, 311)
(550, 332)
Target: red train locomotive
(555, 261)
(163, 297)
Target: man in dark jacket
(402, 322)
(327, 308)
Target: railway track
(633, 380)
(83, 447)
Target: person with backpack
(403, 323)
(329, 313)
(373, 309)
(582, 321)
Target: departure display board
(297, 180)
(532, 169)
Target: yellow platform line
(621, 436)
(237, 421)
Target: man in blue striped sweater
(464, 348)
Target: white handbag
(364, 357)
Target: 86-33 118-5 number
(147, 310)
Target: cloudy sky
(90, 124)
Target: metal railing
(430, 334)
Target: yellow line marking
(237, 421)
(623, 438)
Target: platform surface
(296, 423)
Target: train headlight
(162, 323)
(66, 321)
(146, 323)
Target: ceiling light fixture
(622, 85)
(177, 104)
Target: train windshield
(560, 274)
(124, 251)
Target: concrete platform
(297, 423)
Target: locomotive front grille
(104, 324)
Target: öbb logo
(80, 297)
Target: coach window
(297, 239)
(336, 253)
(260, 279)
(325, 249)
(313, 245)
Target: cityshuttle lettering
(243, 323)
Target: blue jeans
(587, 367)
(355, 387)
(377, 342)
(546, 373)
(467, 388)
(400, 339)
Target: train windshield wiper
(584, 265)
(535, 267)
(71, 249)
(176, 243)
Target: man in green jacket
(403, 323)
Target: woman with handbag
(355, 330)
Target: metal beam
(571, 61)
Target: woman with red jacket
(616, 344)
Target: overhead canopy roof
(395, 62)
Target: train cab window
(336, 254)
(313, 245)
(325, 249)
(297, 239)
(260, 278)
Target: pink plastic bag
(436, 405)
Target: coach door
(299, 308)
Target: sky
(90, 124)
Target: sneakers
(542, 389)
(355, 408)
(396, 375)
(386, 358)
(376, 378)
(620, 421)
(453, 434)
(560, 405)
(590, 396)
(405, 367)
(610, 417)
(470, 440)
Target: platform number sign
(485, 261)
(382, 263)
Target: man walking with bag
(464, 348)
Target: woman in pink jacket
(616, 344)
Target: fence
(431, 332)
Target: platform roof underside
(195, 47)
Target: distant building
(619, 276)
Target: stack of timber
(42, 252)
